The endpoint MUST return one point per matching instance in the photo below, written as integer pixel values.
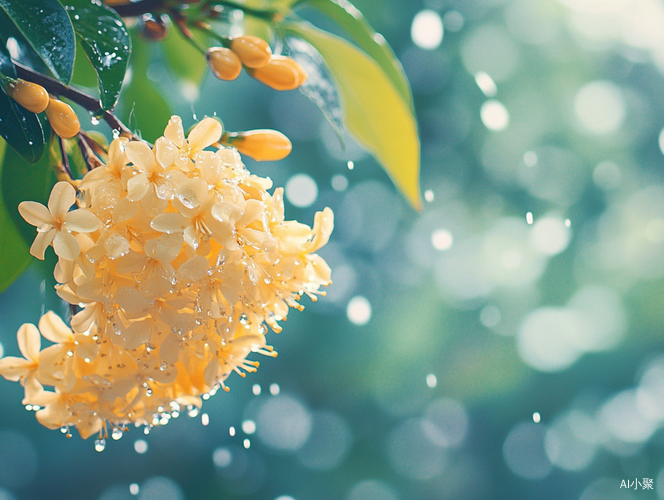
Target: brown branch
(81, 98)
(147, 6)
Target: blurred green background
(504, 343)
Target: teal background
(355, 418)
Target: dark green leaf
(22, 181)
(21, 129)
(21, 50)
(84, 73)
(14, 254)
(106, 42)
(46, 26)
(6, 66)
(348, 17)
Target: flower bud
(262, 145)
(154, 29)
(281, 73)
(254, 52)
(224, 63)
(62, 118)
(31, 96)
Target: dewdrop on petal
(254, 52)
(281, 73)
(31, 96)
(262, 145)
(177, 260)
(224, 63)
(62, 118)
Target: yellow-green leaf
(375, 112)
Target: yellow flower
(55, 223)
(192, 263)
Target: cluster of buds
(278, 72)
(175, 260)
(35, 99)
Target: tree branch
(147, 6)
(80, 98)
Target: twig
(181, 22)
(90, 158)
(80, 98)
(146, 6)
(65, 158)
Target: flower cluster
(177, 259)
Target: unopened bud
(281, 73)
(224, 63)
(62, 118)
(254, 52)
(262, 145)
(154, 29)
(31, 96)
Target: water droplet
(100, 444)
(163, 366)
(231, 431)
(244, 319)
(193, 412)
(116, 434)
(94, 120)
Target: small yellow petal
(54, 329)
(35, 213)
(65, 245)
(29, 341)
(63, 196)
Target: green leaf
(182, 58)
(375, 112)
(84, 74)
(14, 253)
(143, 107)
(46, 26)
(22, 181)
(348, 17)
(106, 42)
(21, 129)
(319, 87)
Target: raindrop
(116, 434)
(100, 444)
